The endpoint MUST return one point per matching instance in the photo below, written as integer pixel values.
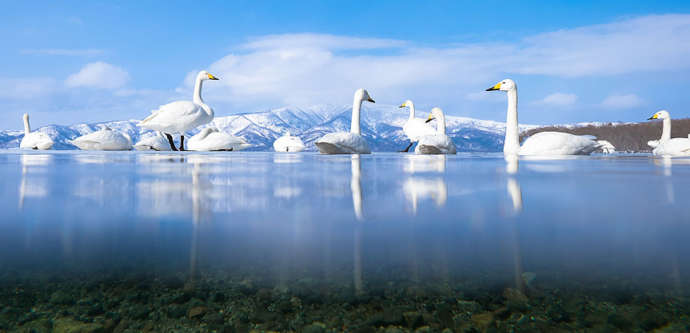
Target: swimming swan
(666, 145)
(155, 142)
(542, 143)
(35, 140)
(181, 116)
(104, 139)
(347, 142)
(439, 142)
(288, 143)
(212, 139)
(415, 128)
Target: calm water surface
(455, 226)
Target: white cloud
(64, 52)
(558, 100)
(98, 75)
(622, 101)
(310, 68)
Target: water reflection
(33, 183)
(356, 188)
(423, 183)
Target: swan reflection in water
(666, 163)
(418, 187)
(32, 186)
(356, 188)
(515, 193)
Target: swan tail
(328, 148)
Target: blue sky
(583, 61)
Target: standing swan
(347, 142)
(542, 143)
(415, 128)
(439, 142)
(666, 145)
(181, 116)
(35, 140)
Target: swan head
(204, 75)
(363, 95)
(661, 114)
(435, 113)
(505, 85)
(26, 117)
(408, 103)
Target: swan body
(104, 139)
(439, 142)
(606, 147)
(181, 116)
(212, 139)
(156, 142)
(347, 142)
(667, 146)
(288, 143)
(34, 140)
(415, 128)
(542, 143)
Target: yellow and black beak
(211, 77)
(402, 106)
(496, 87)
(431, 117)
(371, 100)
(655, 116)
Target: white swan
(35, 140)
(415, 128)
(181, 116)
(104, 139)
(542, 143)
(666, 145)
(212, 139)
(155, 142)
(439, 142)
(288, 143)
(347, 142)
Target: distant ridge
(381, 126)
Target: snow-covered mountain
(381, 126)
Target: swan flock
(179, 117)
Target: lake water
(234, 242)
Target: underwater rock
(196, 312)
(69, 325)
(60, 297)
(483, 320)
(316, 327)
(413, 319)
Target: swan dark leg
(408, 148)
(181, 142)
(170, 140)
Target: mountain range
(381, 126)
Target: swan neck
(197, 91)
(441, 126)
(511, 145)
(666, 130)
(412, 111)
(27, 128)
(354, 125)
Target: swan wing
(559, 143)
(175, 117)
(417, 128)
(673, 147)
(435, 144)
(342, 143)
(36, 140)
